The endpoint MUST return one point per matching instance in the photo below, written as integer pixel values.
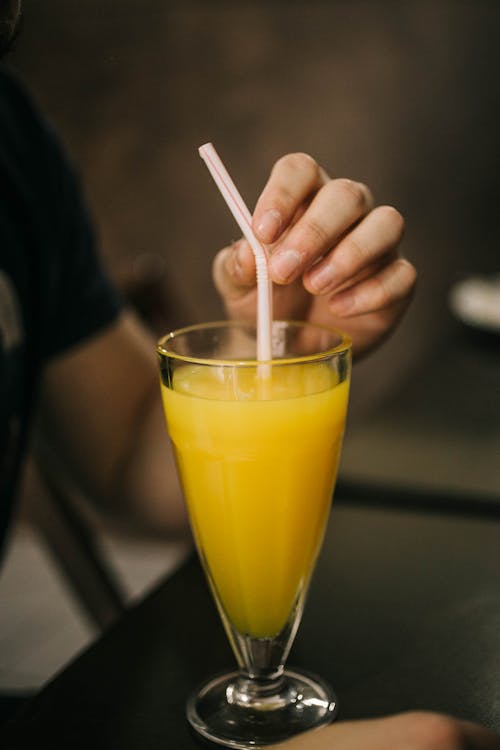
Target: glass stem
(262, 660)
(257, 693)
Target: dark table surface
(403, 613)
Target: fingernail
(284, 264)
(269, 226)
(322, 279)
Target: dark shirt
(53, 293)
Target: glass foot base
(234, 711)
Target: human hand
(408, 731)
(333, 256)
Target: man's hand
(333, 255)
(409, 731)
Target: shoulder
(20, 120)
(31, 155)
(52, 232)
(40, 178)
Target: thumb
(233, 271)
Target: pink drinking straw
(244, 219)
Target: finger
(479, 737)
(293, 179)
(233, 270)
(377, 235)
(335, 208)
(393, 284)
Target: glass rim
(344, 346)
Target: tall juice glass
(257, 447)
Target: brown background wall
(401, 95)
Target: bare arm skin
(101, 412)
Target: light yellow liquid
(258, 477)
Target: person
(72, 351)
(71, 345)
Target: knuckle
(315, 228)
(381, 294)
(393, 218)
(350, 257)
(408, 272)
(395, 284)
(299, 162)
(283, 198)
(358, 193)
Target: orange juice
(257, 461)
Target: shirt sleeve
(82, 299)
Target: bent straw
(243, 217)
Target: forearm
(146, 483)
(102, 417)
